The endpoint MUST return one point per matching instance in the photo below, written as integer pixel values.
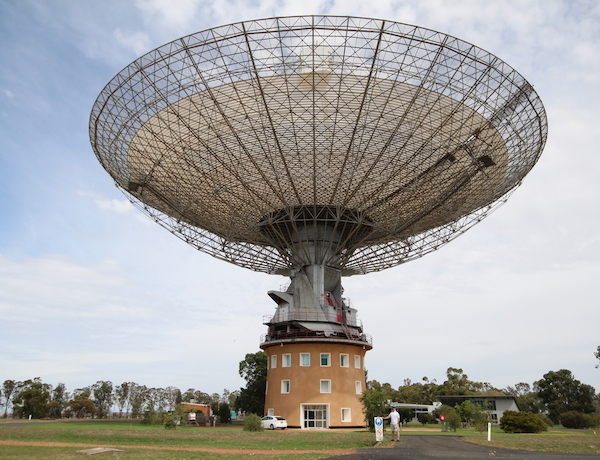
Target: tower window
(285, 386)
(325, 386)
(357, 361)
(344, 360)
(273, 361)
(358, 386)
(305, 359)
(325, 359)
(346, 415)
(286, 360)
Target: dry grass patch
(132, 435)
(557, 441)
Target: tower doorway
(315, 416)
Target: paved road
(422, 446)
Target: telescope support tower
(316, 349)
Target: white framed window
(358, 387)
(325, 386)
(304, 359)
(356, 361)
(273, 361)
(344, 360)
(286, 360)
(346, 414)
(325, 359)
(285, 386)
(270, 411)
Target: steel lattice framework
(352, 143)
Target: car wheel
(272, 427)
(283, 428)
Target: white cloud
(8, 93)
(79, 323)
(38, 290)
(171, 14)
(138, 42)
(496, 323)
(112, 204)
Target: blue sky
(91, 289)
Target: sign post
(444, 425)
(378, 429)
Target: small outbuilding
(204, 408)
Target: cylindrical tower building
(316, 382)
(316, 350)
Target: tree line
(36, 399)
(557, 393)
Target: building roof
(451, 400)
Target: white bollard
(489, 431)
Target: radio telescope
(317, 147)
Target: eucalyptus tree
(32, 399)
(560, 392)
(8, 388)
(103, 397)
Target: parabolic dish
(374, 140)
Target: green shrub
(406, 415)
(224, 413)
(453, 420)
(169, 422)
(253, 423)
(151, 417)
(425, 418)
(374, 405)
(574, 419)
(480, 421)
(544, 418)
(521, 422)
(451, 414)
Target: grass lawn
(154, 442)
(555, 440)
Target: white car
(271, 422)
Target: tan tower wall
(305, 382)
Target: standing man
(394, 423)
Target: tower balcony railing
(297, 334)
(332, 317)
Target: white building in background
(495, 405)
(418, 408)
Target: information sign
(378, 429)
